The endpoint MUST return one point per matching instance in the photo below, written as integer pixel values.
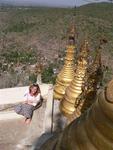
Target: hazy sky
(51, 2)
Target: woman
(32, 99)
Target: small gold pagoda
(66, 75)
(92, 84)
(68, 104)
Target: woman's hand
(30, 102)
(25, 102)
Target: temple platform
(13, 131)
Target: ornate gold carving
(93, 80)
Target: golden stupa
(92, 131)
(67, 105)
(92, 84)
(66, 75)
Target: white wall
(15, 95)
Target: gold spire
(69, 101)
(67, 73)
(71, 34)
(94, 78)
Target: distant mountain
(14, 3)
(98, 10)
(36, 3)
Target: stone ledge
(7, 107)
(9, 115)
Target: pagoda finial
(66, 75)
(71, 34)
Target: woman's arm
(39, 104)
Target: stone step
(9, 115)
(7, 107)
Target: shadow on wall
(59, 122)
(58, 125)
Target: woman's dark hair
(35, 85)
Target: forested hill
(30, 35)
(98, 10)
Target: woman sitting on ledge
(32, 101)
